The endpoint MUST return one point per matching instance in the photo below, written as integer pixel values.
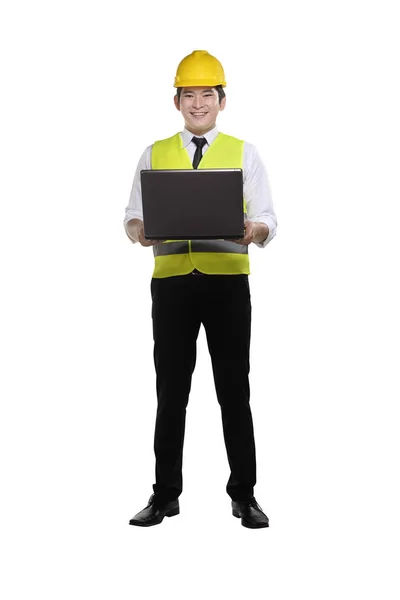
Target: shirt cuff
(272, 230)
(132, 215)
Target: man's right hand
(135, 230)
(142, 240)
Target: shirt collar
(210, 136)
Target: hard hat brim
(199, 83)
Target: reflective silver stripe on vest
(199, 246)
(171, 248)
(218, 246)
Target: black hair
(219, 88)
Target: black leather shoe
(154, 512)
(251, 513)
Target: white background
(85, 88)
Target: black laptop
(184, 204)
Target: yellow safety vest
(213, 257)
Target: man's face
(200, 107)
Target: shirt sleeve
(134, 210)
(257, 192)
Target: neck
(196, 131)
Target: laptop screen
(187, 204)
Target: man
(203, 282)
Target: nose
(198, 103)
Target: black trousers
(180, 304)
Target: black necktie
(198, 154)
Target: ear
(176, 102)
(223, 103)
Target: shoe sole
(238, 516)
(171, 513)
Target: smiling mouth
(198, 114)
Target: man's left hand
(251, 232)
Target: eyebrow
(203, 92)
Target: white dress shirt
(256, 189)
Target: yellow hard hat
(199, 68)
